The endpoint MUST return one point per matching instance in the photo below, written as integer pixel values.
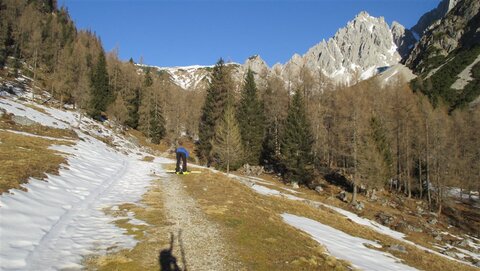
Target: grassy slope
(25, 156)
(255, 232)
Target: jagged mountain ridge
(356, 52)
(364, 47)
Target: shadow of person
(167, 261)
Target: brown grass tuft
(24, 157)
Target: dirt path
(197, 242)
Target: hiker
(182, 155)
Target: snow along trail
(345, 246)
(57, 222)
(353, 217)
(201, 240)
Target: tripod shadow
(166, 259)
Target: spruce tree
(251, 120)
(133, 108)
(212, 110)
(227, 146)
(297, 143)
(157, 123)
(101, 95)
(270, 151)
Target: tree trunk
(355, 169)
(439, 197)
(409, 179)
(354, 195)
(34, 73)
(427, 148)
(420, 177)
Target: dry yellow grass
(36, 129)
(254, 229)
(26, 156)
(152, 239)
(148, 158)
(251, 219)
(39, 109)
(142, 140)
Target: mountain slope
(458, 29)
(445, 57)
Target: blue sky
(181, 33)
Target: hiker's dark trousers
(181, 157)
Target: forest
(373, 136)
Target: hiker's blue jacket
(182, 150)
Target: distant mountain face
(447, 57)
(356, 52)
(365, 46)
(458, 28)
(432, 16)
(197, 77)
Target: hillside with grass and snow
(333, 161)
(80, 193)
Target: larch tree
(275, 100)
(251, 120)
(227, 148)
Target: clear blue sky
(181, 33)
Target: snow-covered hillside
(56, 223)
(53, 224)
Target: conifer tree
(134, 105)
(251, 120)
(297, 143)
(101, 95)
(227, 146)
(157, 123)
(212, 110)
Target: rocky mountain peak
(256, 64)
(356, 51)
(403, 38)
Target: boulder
(319, 189)
(359, 206)
(398, 248)
(414, 229)
(23, 120)
(433, 221)
(251, 170)
(385, 218)
(343, 196)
